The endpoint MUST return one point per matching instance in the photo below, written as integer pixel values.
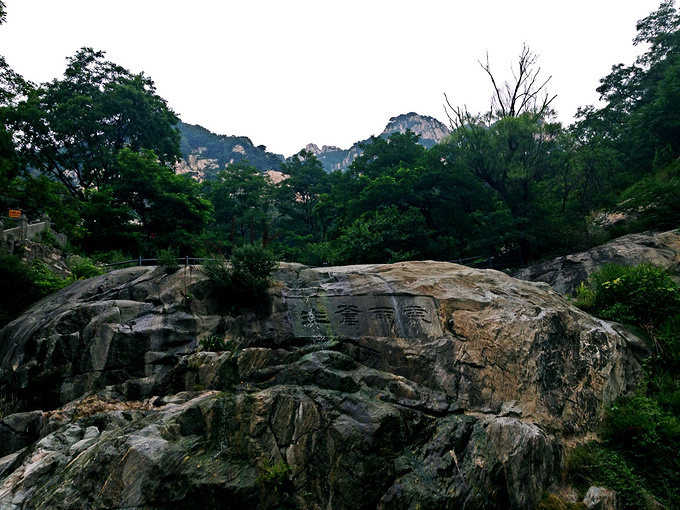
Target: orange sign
(14, 213)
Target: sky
(289, 73)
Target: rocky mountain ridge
(430, 130)
(417, 384)
(204, 153)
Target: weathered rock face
(430, 130)
(412, 385)
(566, 273)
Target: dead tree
(526, 93)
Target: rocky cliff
(204, 153)
(411, 385)
(430, 130)
(565, 274)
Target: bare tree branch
(526, 93)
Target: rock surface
(566, 273)
(411, 385)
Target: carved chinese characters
(356, 316)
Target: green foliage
(167, 259)
(113, 257)
(214, 343)
(82, 268)
(22, 285)
(47, 238)
(387, 234)
(594, 464)
(252, 266)
(275, 476)
(642, 295)
(648, 437)
(96, 100)
(241, 283)
(656, 199)
(641, 432)
(17, 288)
(243, 201)
(46, 281)
(639, 122)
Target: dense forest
(96, 148)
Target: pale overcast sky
(287, 73)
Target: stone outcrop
(566, 273)
(408, 385)
(196, 166)
(430, 130)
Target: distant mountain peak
(314, 148)
(430, 130)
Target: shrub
(115, 257)
(242, 282)
(275, 476)
(47, 238)
(643, 295)
(252, 266)
(21, 285)
(648, 437)
(641, 432)
(82, 267)
(46, 281)
(594, 464)
(214, 343)
(167, 259)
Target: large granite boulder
(411, 385)
(566, 273)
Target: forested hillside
(207, 152)
(96, 149)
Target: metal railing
(498, 262)
(186, 261)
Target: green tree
(387, 234)
(515, 157)
(73, 129)
(306, 181)
(640, 118)
(168, 206)
(380, 154)
(243, 201)
(148, 208)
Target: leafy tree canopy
(74, 128)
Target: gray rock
(19, 430)
(409, 385)
(600, 498)
(566, 273)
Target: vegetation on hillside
(639, 452)
(227, 150)
(95, 151)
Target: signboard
(14, 213)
